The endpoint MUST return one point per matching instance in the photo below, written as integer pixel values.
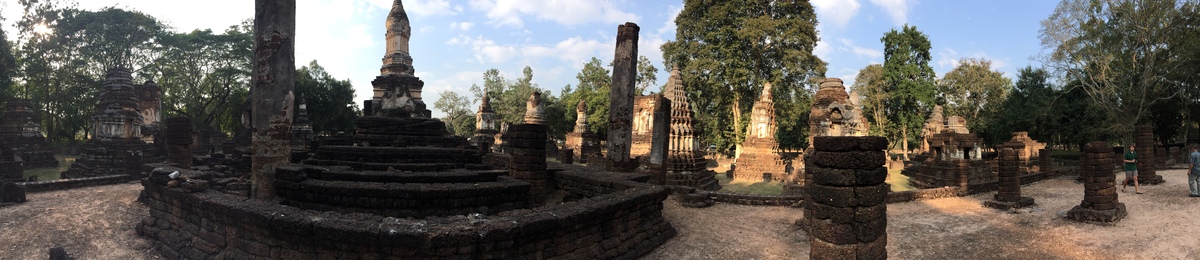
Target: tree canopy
(727, 50)
(910, 82)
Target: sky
(454, 42)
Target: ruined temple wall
(623, 220)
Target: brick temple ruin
(952, 157)
(11, 168)
(582, 142)
(833, 113)
(21, 128)
(116, 132)
(402, 188)
(760, 158)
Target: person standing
(1194, 172)
(1131, 170)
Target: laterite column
(1100, 203)
(847, 218)
(179, 141)
(1146, 164)
(528, 149)
(1008, 183)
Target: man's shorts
(1130, 174)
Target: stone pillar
(620, 99)
(179, 141)
(1045, 162)
(1008, 184)
(1146, 163)
(271, 96)
(847, 218)
(527, 145)
(1160, 158)
(660, 134)
(1100, 203)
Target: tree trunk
(736, 110)
(904, 142)
(271, 100)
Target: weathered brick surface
(1100, 202)
(618, 218)
(847, 217)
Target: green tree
(976, 92)
(509, 97)
(204, 75)
(1122, 53)
(459, 119)
(726, 50)
(330, 101)
(593, 88)
(8, 66)
(647, 75)
(910, 82)
(871, 86)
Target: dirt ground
(90, 223)
(1163, 223)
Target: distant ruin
(760, 159)
(582, 141)
(116, 132)
(21, 128)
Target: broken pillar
(1147, 170)
(1008, 183)
(847, 217)
(527, 145)
(1100, 202)
(272, 96)
(620, 99)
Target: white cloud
(422, 8)
(822, 49)
(837, 12)
(860, 51)
(465, 26)
(949, 59)
(897, 9)
(574, 49)
(509, 12)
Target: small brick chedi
(1100, 203)
(953, 155)
(21, 128)
(760, 159)
(485, 125)
(116, 131)
(847, 216)
(405, 189)
(1008, 183)
(582, 141)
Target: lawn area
(749, 187)
(51, 173)
(898, 181)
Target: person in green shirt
(1131, 170)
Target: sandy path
(90, 223)
(1163, 223)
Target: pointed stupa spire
(397, 60)
(485, 105)
(766, 94)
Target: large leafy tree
(974, 91)
(204, 75)
(330, 101)
(647, 75)
(727, 50)
(1125, 55)
(872, 87)
(910, 82)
